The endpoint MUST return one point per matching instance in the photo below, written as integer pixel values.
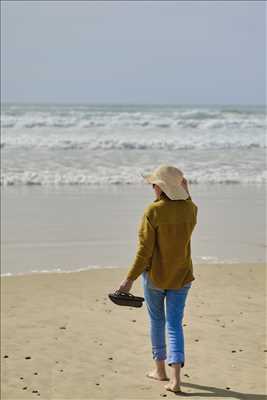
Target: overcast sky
(183, 52)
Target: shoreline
(99, 267)
(82, 346)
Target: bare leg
(174, 385)
(159, 373)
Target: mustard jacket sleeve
(147, 235)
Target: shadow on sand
(217, 392)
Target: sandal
(126, 299)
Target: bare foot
(155, 375)
(173, 387)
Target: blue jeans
(175, 303)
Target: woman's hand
(126, 286)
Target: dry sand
(82, 346)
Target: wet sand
(67, 228)
(62, 338)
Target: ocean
(106, 145)
(73, 194)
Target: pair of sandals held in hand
(126, 299)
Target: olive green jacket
(164, 248)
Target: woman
(163, 259)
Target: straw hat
(169, 179)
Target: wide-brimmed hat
(169, 179)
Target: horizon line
(116, 103)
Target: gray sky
(183, 52)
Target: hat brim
(174, 192)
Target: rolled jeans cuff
(176, 358)
(159, 353)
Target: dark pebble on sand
(62, 327)
(35, 391)
(5, 356)
(97, 384)
(163, 395)
(27, 358)
(21, 377)
(25, 388)
(133, 320)
(240, 350)
(110, 358)
(223, 326)
(196, 340)
(184, 324)
(228, 388)
(265, 351)
(61, 370)
(186, 375)
(233, 351)
(35, 373)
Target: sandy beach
(62, 338)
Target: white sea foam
(120, 118)
(122, 176)
(58, 271)
(85, 145)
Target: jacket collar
(163, 196)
